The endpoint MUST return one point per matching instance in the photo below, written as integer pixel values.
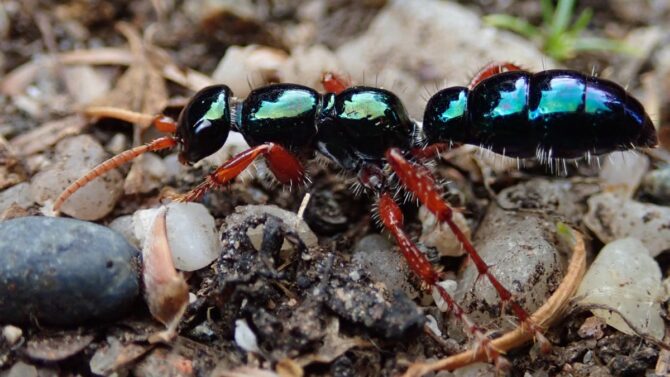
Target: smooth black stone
(58, 271)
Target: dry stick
(543, 317)
(143, 120)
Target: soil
(312, 310)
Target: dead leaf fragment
(165, 289)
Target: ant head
(445, 116)
(204, 123)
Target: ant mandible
(554, 114)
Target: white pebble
(450, 286)
(623, 171)
(625, 277)
(440, 236)
(12, 334)
(191, 234)
(75, 157)
(126, 227)
(612, 218)
(245, 337)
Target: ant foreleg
(162, 123)
(392, 218)
(419, 181)
(166, 142)
(492, 69)
(283, 164)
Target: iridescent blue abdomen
(553, 114)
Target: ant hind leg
(492, 69)
(419, 180)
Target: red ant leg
(418, 180)
(393, 220)
(334, 83)
(284, 165)
(430, 151)
(166, 142)
(492, 69)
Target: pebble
(523, 253)
(656, 185)
(612, 218)
(289, 218)
(145, 175)
(191, 234)
(624, 276)
(74, 157)
(623, 171)
(62, 271)
(17, 194)
(379, 259)
(440, 236)
(402, 49)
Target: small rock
(145, 175)
(440, 236)
(126, 227)
(64, 272)
(623, 171)
(381, 55)
(522, 252)
(12, 334)
(612, 218)
(365, 305)
(625, 277)
(56, 347)
(250, 64)
(379, 259)
(75, 157)
(656, 185)
(163, 362)
(592, 328)
(21, 369)
(324, 214)
(191, 234)
(289, 218)
(17, 194)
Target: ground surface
(323, 309)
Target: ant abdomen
(550, 114)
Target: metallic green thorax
(291, 103)
(367, 105)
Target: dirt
(311, 311)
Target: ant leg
(392, 218)
(284, 165)
(492, 69)
(334, 83)
(166, 142)
(418, 180)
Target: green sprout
(558, 39)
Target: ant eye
(204, 123)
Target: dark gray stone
(59, 271)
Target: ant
(554, 114)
